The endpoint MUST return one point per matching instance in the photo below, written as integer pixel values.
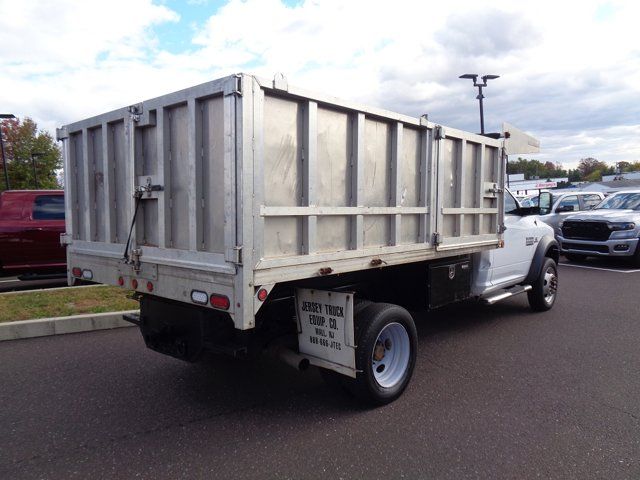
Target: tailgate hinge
(495, 189)
(62, 133)
(234, 255)
(438, 132)
(234, 87)
(135, 111)
(66, 239)
(437, 238)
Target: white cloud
(569, 75)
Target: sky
(569, 72)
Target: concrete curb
(43, 327)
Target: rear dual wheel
(386, 354)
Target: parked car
(31, 222)
(610, 229)
(566, 204)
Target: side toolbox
(449, 281)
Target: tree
(589, 165)
(26, 146)
(535, 168)
(624, 167)
(594, 176)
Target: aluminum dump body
(245, 183)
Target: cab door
(511, 263)
(12, 225)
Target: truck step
(509, 292)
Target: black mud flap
(181, 330)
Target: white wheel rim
(550, 285)
(390, 356)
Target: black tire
(575, 257)
(369, 324)
(545, 288)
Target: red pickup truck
(31, 222)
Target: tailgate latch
(148, 189)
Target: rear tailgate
(178, 152)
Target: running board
(518, 289)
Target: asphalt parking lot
(498, 392)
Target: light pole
(4, 116)
(474, 77)
(33, 163)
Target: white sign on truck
(325, 321)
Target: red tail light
(76, 271)
(134, 284)
(219, 301)
(262, 294)
(121, 281)
(149, 287)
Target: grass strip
(64, 303)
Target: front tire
(545, 288)
(386, 355)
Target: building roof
(608, 187)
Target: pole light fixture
(4, 116)
(484, 78)
(35, 155)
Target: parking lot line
(600, 268)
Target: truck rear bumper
(608, 248)
(162, 281)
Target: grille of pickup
(596, 231)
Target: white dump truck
(252, 216)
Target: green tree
(589, 165)
(594, 176)
(574, 175)
(624, 166)
(535, 168)
(25, 146)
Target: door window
(571, 200)
(590, 200)
(510, 204)
(48, 207)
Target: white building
(519, 186)
(621, 176)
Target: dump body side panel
(342, 187)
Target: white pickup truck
(250, 216)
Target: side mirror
(544, 202)
(566, 208)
